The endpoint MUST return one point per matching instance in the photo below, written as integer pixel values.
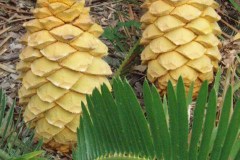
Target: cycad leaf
(157, 121)
(114, 118)
(100, 135)
(160, 114)
(104, 119)
(82, 151)
(238, 155)
(235, 149)
(140, 120)
(89, 135)
(99, 129)
(152, 119)
(208, 126)
(129, 126)
(113, 126)
(198, 120)
(182, 120)
(165, 107)
(173, 120)
(223, 125)
(232, 133)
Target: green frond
(114, 126)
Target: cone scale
(60, 65)
(180, 39)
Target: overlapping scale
(33, 25)
(66, 136)
(161, 45)
(84, 22)
(98, 67)
(72, 102)
(64, 78)
(50, 93)
(168, 23)
(42, 3)
(87, 83)
(42, 12)
(148, 54)
(57, 51)
(61, 64)
(152, 32)
(25, 93)
(200, 26)
(70, 14)
(51, 22)
(59, 117)
(23, 66)
(31, 81)
(192, 50)
(74, 124)
(186, 12)
(172, 60)
(66, 33)
(37, 106)
(40, 39)
(90, 44)
(95, 30)
(180, 38)
(57, 7)
(155, 70)
(209, 40)
(46, 130)
(44, 67)
(30, 54)
(160, 8)
(72, 62)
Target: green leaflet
(182, 120)
(223, 125)
(208, 126)
(198, 121)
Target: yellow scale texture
(181, 40)
(60, 65)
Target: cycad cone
(181, 40)
(61, 64)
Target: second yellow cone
(180, 38)
(60, 65)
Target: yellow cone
(61, 64)
(180, 38)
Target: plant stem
(126, 61)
